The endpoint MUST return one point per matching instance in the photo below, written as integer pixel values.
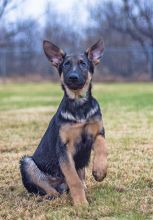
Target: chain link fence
(124, 62)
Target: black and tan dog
(59, 162)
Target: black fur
(51, 150)
(83, 149)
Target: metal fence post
(3, 63)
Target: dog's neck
(78, 96)
(79, 109)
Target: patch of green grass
(126, 193)
(29, 95)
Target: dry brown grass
(126, 193)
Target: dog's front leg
(99, 170)
(81, 173)
(75, 184)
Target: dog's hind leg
(34, 180)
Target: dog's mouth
(75, 86)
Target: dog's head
(75, 70)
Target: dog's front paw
(99, 174)
(81, 202)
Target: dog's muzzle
(74, 82)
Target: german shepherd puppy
(59, 162)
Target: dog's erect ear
(53, 53)
(95, 52)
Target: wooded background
(126, 27)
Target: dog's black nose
(73, 77)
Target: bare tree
(135, 18)
(8, 32)
(3, 5)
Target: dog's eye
(82, 63)
(67, 63)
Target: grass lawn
(126, 193)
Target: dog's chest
(79, 136)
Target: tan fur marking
(70, 93)
(41, 180)
(70, 134)
(81, 174)
(75, 184)
(100, 158)
(94, 127)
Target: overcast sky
(72, 14)
(72, 11)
